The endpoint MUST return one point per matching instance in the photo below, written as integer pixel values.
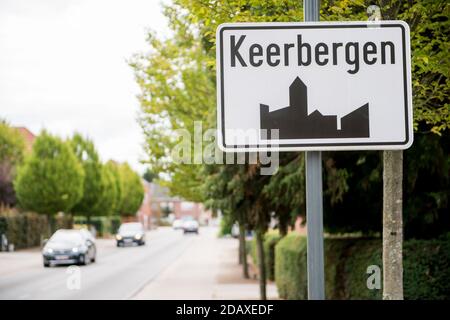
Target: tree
(114, 168)
(177, 88)
(149, 175)
(223, 190)
(177, 83)
(51, 178)
(133, 191)
(354, 179)
(12, 146)
(237, 190)
(259, 216)
(426, 194)
(285, 190)
(110, 199)
(95, 182)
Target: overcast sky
(63, 68)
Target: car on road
(68, 246)
(190, 225)
(177, 224)
(130, 233)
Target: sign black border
(318, 26)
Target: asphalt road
(119, 273)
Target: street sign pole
(314, 206)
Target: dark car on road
(130, 233)
(68, 246)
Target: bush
(426, 268)
(24, 230)
(270, 240)
(290, 267)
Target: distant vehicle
(190, 225)
(177, 224)
(235, 230)
(68, 246)
(129, 233)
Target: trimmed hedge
(426, 268)
(27, 229)
(270, 240)
(290, 267)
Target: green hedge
(104, 225)
(290, 267)
(426, 268)
(270, 240)
(27, 229)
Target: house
(158, 203)
(145, 214)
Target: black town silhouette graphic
(293, 122)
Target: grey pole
(314, 206)
(311, 10)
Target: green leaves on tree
(51, 178)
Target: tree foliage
(149, 176)
(176, 90)
(114, 169)
(132, 189)
(109, 201)
(12, 146)
(51, 178)
(95, 182)
(177, 80)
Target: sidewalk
(208, 269)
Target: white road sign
(314, 86)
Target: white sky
(63, 68)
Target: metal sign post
(314, 207)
